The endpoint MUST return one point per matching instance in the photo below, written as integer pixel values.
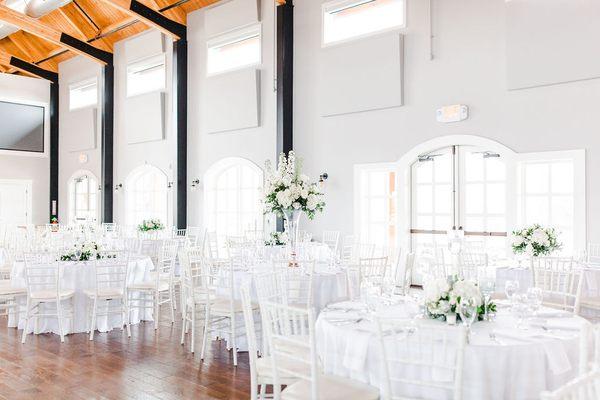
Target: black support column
(180, 75)
(285, 77)
(54, 101)
(285, 82)
(108, 107)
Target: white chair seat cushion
(222, 306)
(264, 369)
(7, 290)
(51, 294)
(162, 286)
(331, 388)
(104, 292)
(590, 301)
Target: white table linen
(79, 276)
(519, 364)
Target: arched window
(83, 198)
(233, 197)
(147, 195)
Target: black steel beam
(180, 74)
(285, 77)
(54, 101)
(108, 105)
(87, 48)
(34, 69)
(159, 19)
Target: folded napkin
(357, 346)
(554, 314)
(554, 349)
(558, 325)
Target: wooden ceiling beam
(31, 69)
(155, 19)
(39, 29)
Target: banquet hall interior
(299, 199)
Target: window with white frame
(83, 198)
(147, 195)
(83, 94)
(347, 19)
(233, 189)
(551, 194)
(234, 50)
(377, 205)
(147, 75)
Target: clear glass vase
(292, 223)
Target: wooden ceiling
(93, 21)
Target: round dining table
(501, 361)
(79, 276)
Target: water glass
(468, 314)
(510, 288)
(535, 297)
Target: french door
(15, 202)
(459, 188)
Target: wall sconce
(322, 178)
(195, 184)
(169, 185)
(118, 187)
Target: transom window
(147, 195)
(83, 198)
(348, 19)
(234, 50)
(147, 75)
(233, 197)
(83, 94)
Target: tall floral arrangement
(287, 189)
(535, 241)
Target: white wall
(35, 168)
(469, 67)
(255, 144)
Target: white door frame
(28, 185)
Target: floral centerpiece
(82, 252)
(288, 193)
(277, 239)
(148, 225)
(535, 241)
(444, 296)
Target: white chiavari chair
(110, 287)
(222, 315)
(291, 335)
(372, 270)
(347, 249)
(332, 240)
(195, 286)
(428, 348)
(9, 294)
(193, 237)
(43, 275)
(261, 369)
(592, 255)
(584, 387)
(472, 265)
(403, 277)
(560, 282)
(428, 267)
(212, 245)
(159, 289)
(298, 284)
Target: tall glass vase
(292, 223)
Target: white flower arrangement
(83, 252)
(287, 189)
(151, 225)
(277, 239)
(443, 296)
(535, 241)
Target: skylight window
(83, 94)
(147, 75)
(349, 19)
(234, 50)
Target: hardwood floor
(148, 365)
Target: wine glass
(535, 297)
(468, 313)
(487, 285)
(520, 307)
(510, 288)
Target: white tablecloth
(79, 276)
(511, 369)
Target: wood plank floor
(148, 365)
